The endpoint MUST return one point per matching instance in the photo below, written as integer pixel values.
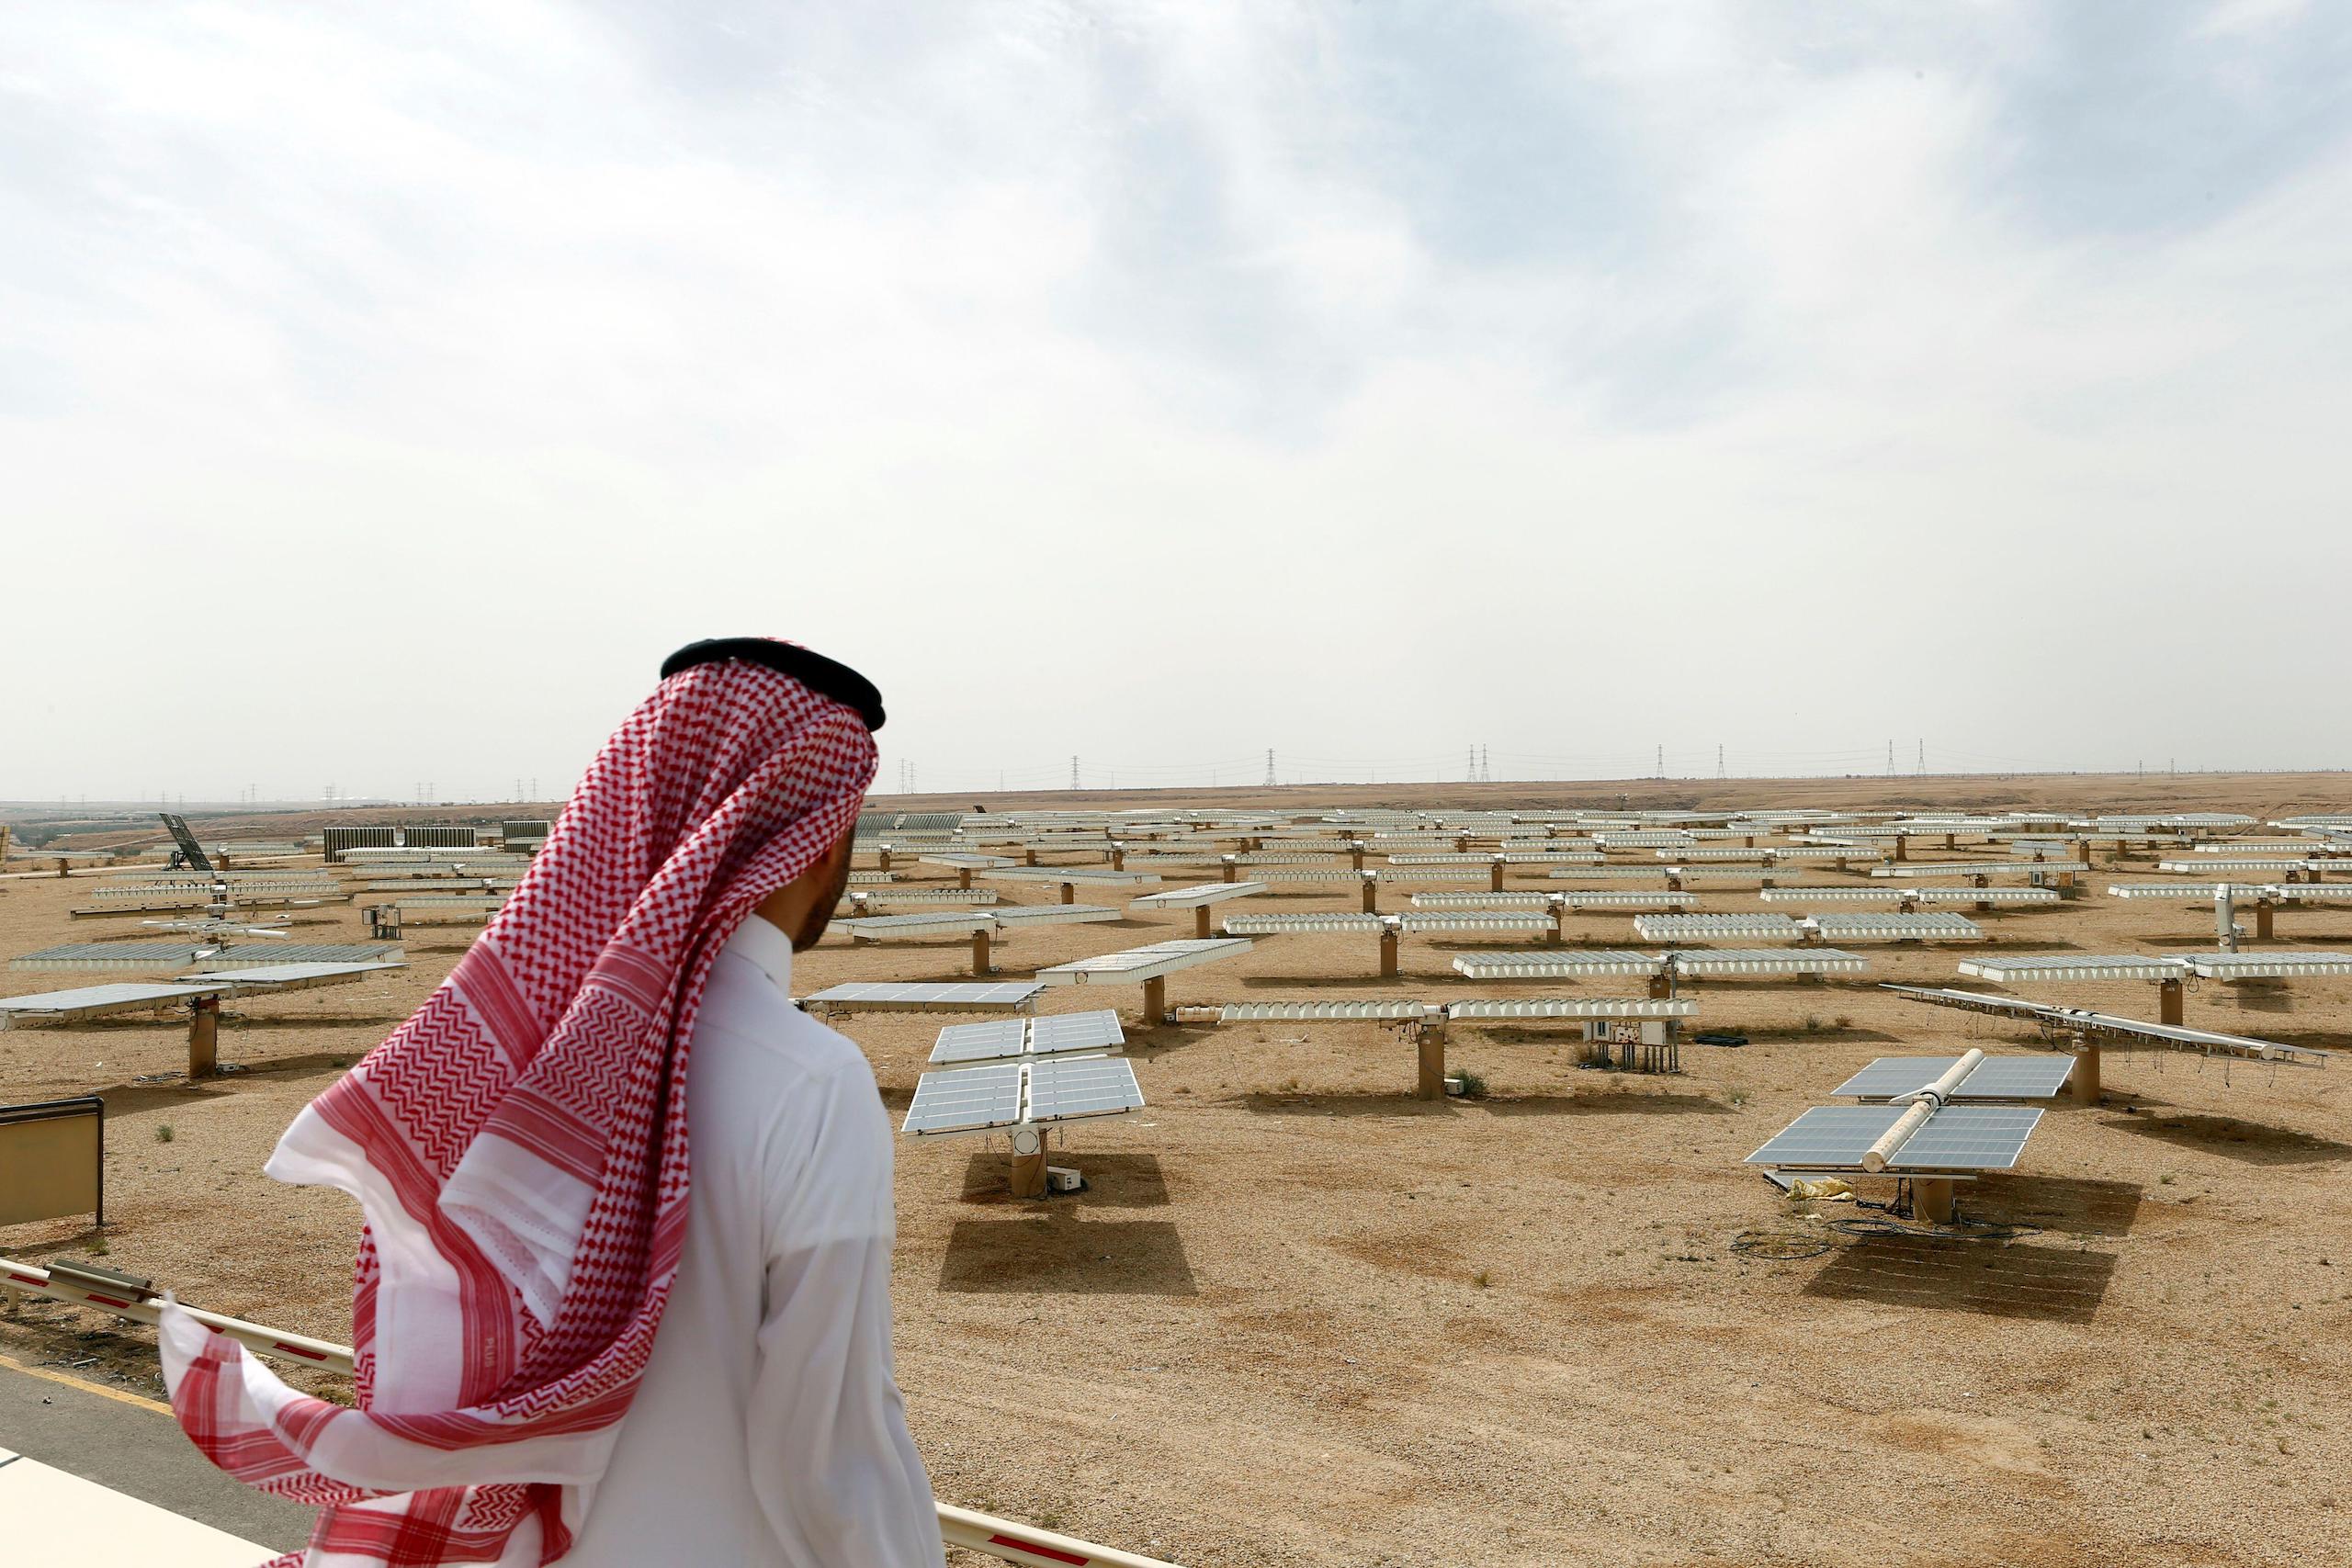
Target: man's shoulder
(753, 1028)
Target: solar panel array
(1896, 928)
(2069, 966)
(1683, 928)
(1995, 1078)
(884, 996)
(1960, 1138)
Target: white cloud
(1158, 384)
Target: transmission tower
(1719, 759)
(1890, 759)
(1073, 773)
(1269, 764)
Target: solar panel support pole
(2084, 1080)
(1028, 1179)
(2225, 919)
(1429, 1048)
(2169, 1008)
(1558, 935)
(1232, 865)
(1155, 1001)
(1069, 892)
(1118, 856)
(1371, 894)
(1494, 876)
(882, 859)
(1389, 943)
(1931, 1201)
(1029, 855)
(2264, 910)
(1899, 853)
(1200, 922)
(962, 876)
(1355, 853)
(203, 1036)
(982, 964)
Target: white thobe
(769, 1431)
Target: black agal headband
(814, 671)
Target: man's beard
(820, 913)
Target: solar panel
(109, 955)
(1897, 928)
(1072, 1088)
(2269, 965)
(950, 995)
(1996, 1077)
(1769, 960)
(1053, 914)
(2089, 967)
(1061, 1034)
(1277, 925)
(1139, 964)
(1968, 1137)
(1563, 1007)
(1192, 897)
(989, 1042)
(90, 1001)
(1472, 920)
(1559, 966)
(1320, 1013)
(1956, 1138)
(247, 955)
(1673, 928)
(970, 1099)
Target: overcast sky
(384, 390)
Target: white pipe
(997, 1537)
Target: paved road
(132, 1446)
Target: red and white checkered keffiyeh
(519, 1149)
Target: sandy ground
(1299, 1317)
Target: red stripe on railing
(298, 1350)
(1034, 1550)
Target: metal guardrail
(1003, 1538)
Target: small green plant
(99, 1248)
(163, 1131)
(1737, 1096)
(2166, 1179)
(1813, 1023)
(1482, 1278)
(1474, 1085)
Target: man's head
(803, 908)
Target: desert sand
(1298, 1316)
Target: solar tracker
(1320, 1013)
(970, 1099)
(1482, 900)
(876, 928)
(1472, 920)
(947, 996)
(1844, 894)
(1006, 915)
(1571, 1007)
(2075, 1021)
(1821, 852)
(1073, 874)
(1074, 1089)
(109, 955)
(877, 898)
(1607, 873)
(1996, 1077)
(93, 1002)
(1896, 928)
(247, 955)
(1284, 857)
(966, 862)
(1330, 873)
(2269, 965)
(1571, 964)
(1958, 1138)
(1769, 960)
(2257, 864)
(2068, 966)
(1435, 872)
(1139, 964)
(1977, 868)
(1278, 925)
(1055, 1035)
(1681, 928)
(1192, 897)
